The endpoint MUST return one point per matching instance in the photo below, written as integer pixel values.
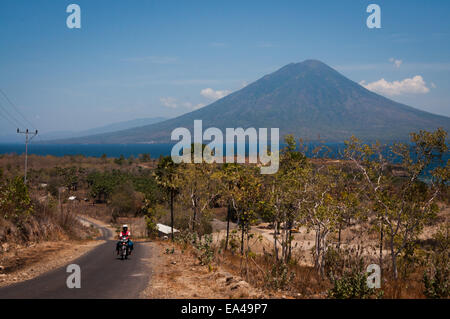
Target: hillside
(309, 99)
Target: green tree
(227, 177)
(279, 204)
(151, 217)
(319, 210)
(103, 184)
(167, 177)
(198, 188)
(120, 161)
(15, 201)
(145, 158)
(124, 200)
(403, 205)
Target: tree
(124, 200)
(120, 161)
(279, 203)
(102, 185)
(347, 191)
(71, 179)
(227, 177)
(150, 214)
(370, 167)
(244, 194)
(319, 210)
(240, 188)
(403, 205)
(197, 189)
(167, 177)
(15, 201)
(144, 158)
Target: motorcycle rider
(125, 233)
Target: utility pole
(27, 140)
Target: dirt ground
(178, 275)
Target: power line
(19, 123)
(10, 118)
(16, 108)
(7, 119)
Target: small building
(164, 230)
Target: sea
(89, 150)
(331, 150)
(127, 150)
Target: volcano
(309, 100)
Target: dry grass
(178, 274)
(260, 271)
(46, 223)
(411, 288)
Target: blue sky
(143, 58)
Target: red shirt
(126, 234)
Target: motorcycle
(123, 248)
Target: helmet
(125, 226)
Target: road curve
(103, 276)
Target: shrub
(279, 276)
(150, 222)
(352, 285)
(186, 238)
(234, 242)
(436, 277)
(205, 250)
(437, 284)
(15, 201)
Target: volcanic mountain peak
(309, 99)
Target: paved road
(103, 275)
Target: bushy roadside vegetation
(24, 219)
